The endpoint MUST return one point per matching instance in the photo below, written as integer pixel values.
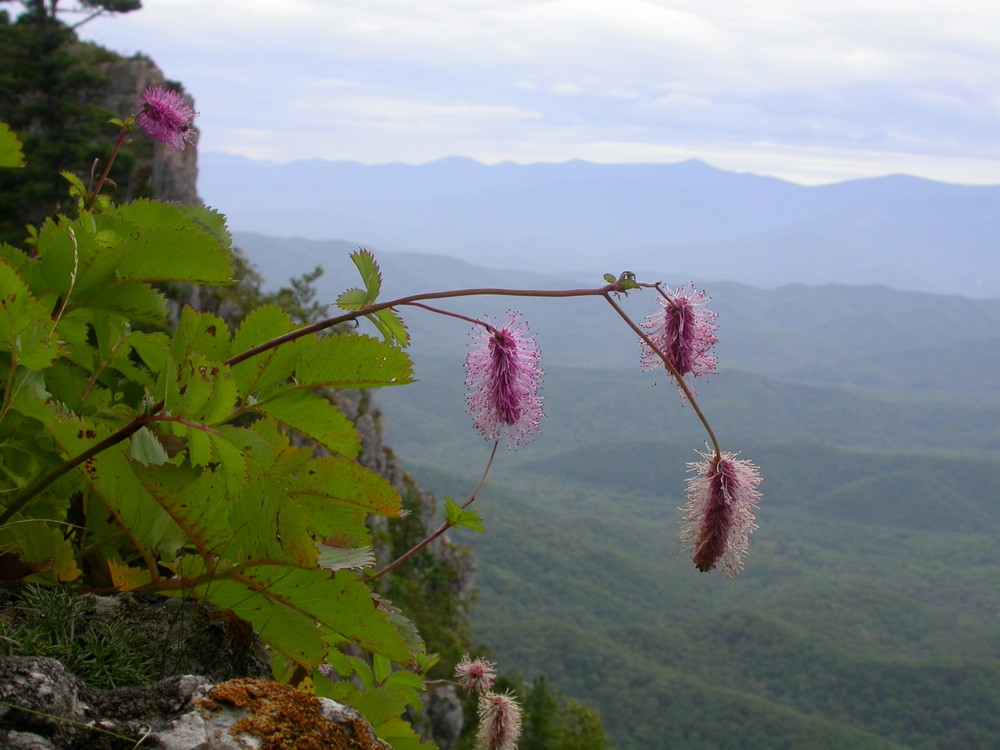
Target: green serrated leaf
(399, 735)
(300, 612)
(273, 366)
(43, 551)
(146, 448)
(195, 502)
(312, 415)
(208, 219)
(152, 348)
(170, 243)
(25, 325)
(381, 668)
(406, 679)
(351, 360)
(347, 483)
(370, 275)
(352, 299)
(382, 704)
(391, 326)
(201, 332)
(136, 301)
(113, 479)
(199, 443)
(208, 391)
(11, 154)
(457, 516)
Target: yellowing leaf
(11, 154)
(314, 416)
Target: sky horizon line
(568, 160)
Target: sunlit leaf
(370, 274)
(165, 245)
(11, 154)
(391, 326)
(350, 360)
(314, 416)
(25, 326)
(457, 516)
(274, 365)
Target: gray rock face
(173, 175)
(47, 707)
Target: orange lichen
(284, 718)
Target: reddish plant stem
(673, 372)
(440, 530)
(96, 189)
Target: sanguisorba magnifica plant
(136, 459)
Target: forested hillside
(866, 614)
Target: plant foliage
(134, 459)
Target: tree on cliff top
(46, 11)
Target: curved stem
(440, 530)
(322, 325)
(673, 372)
(96, 189)
(136, 424)
(450, 314)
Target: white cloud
(889, 83)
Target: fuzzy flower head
(476, 675)
(166, 117)
(499, 722)
(684, 330)
(720, 513)
(503, 379)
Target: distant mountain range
(578, 218)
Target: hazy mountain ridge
(584, 217)
(871, 339)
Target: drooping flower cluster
(503, 378)
(476, 675)
(720, 513)
(684, 331)
(166, 117)
(499, 722)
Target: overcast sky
(806, 90)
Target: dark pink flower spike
(720, 513)
(684, 330)
(166, 117)
(503, 377)
(499, 722)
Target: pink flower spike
(499, 722)
(503, 378)
(684, 330)
(166, 117)
(720, 513)
(476, 675)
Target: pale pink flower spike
(499, 722)
(476, 675)
(720, 513)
